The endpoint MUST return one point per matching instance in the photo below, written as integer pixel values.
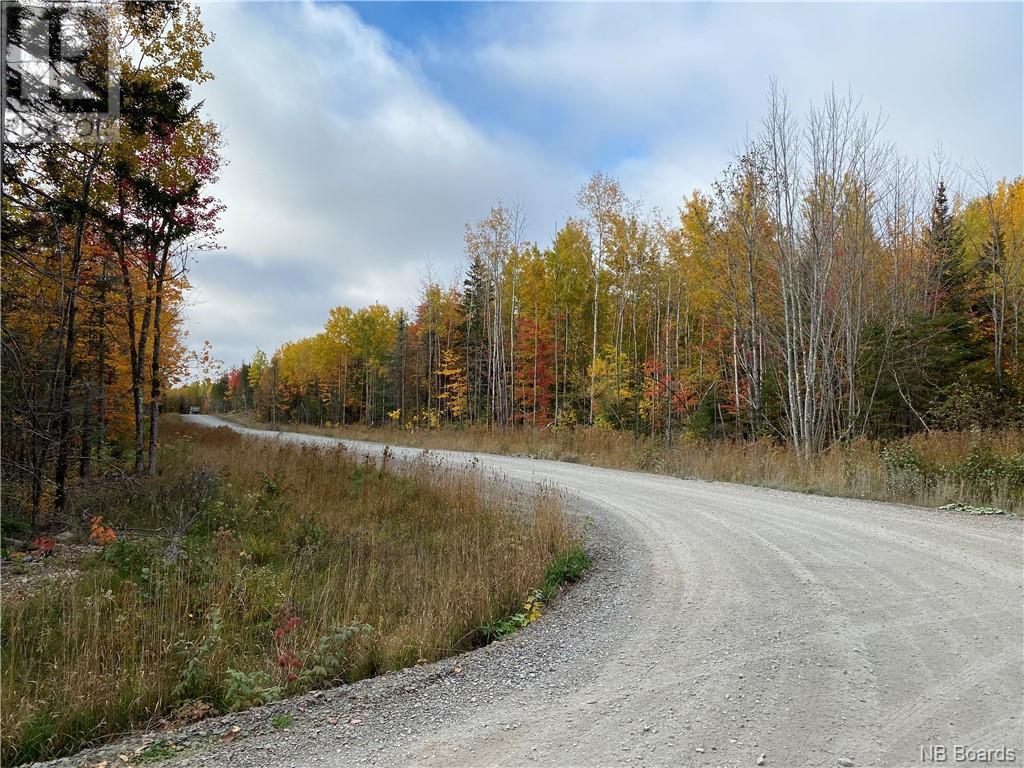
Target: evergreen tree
(476, 303)
(942, 345)
(949, 280)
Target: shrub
(567, 567)
(984, 474)
(99, 533)
(195, 677)
(970, 405)
(248, 689)
(531, 611)
(132, 559)
(907, 471)
(329, 661)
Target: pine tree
(476, 304)
(949, 280)
(942, 346)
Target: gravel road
(722, 625)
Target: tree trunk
(71, 302)
(154, 368)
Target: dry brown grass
(979, 468)
(280, 547)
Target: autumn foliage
(98, 237)
(99, 533)
(708, 325)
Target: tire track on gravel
(720, 623)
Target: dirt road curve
(722, 623)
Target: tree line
(97, 235)
(823, 288)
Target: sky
(361, 138)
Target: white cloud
(692, 78)
(349, 171)
(345, 174)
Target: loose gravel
(719, 625)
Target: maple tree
(807, 298)
(97, 239)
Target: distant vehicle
(194, 409)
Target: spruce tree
(939, 353)
(946, 346)
(475, 309)
(949, 280)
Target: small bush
(531, 611)
(985, 474)
(504, 626)
(907, 471)
(132, 559)
(970, 405)
(568, 567)
(248, 689)
(329, 661)
(195, 677)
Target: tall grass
(265, 569)
(929, 469)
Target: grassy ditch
(250, 570)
